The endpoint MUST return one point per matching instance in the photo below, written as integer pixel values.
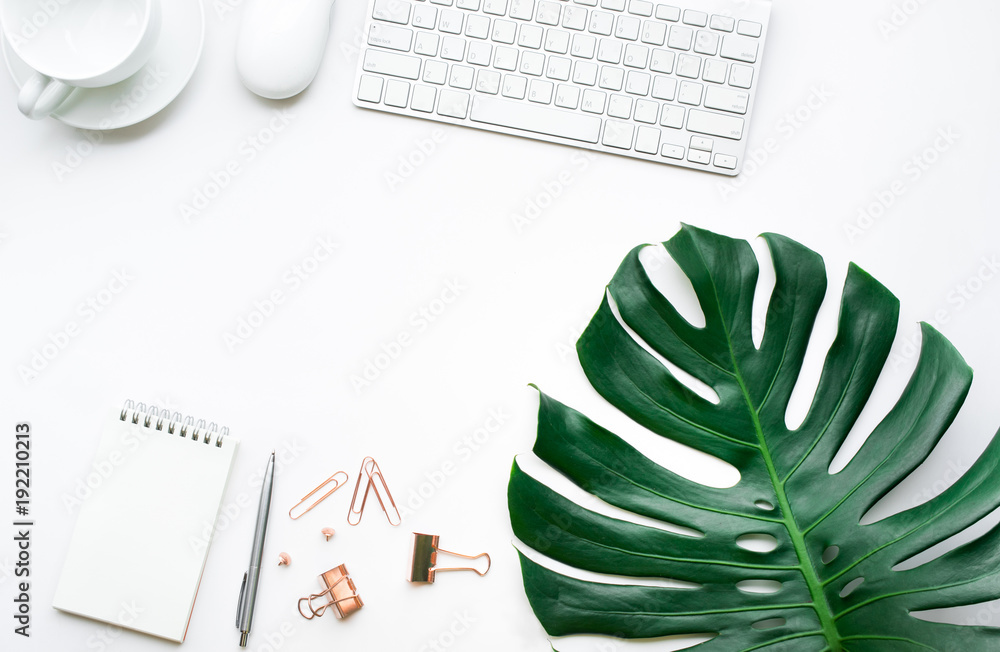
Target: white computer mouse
(281, 45)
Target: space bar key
(537, 119)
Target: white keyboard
(662, 82)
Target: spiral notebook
(142, 537)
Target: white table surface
(520, 294)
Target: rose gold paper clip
(340, 589)
(337, 484)
(423, 559)
(375, 482)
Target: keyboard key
(672, 151)
(522, 9)
(392, 11)
(698, 156)
(640, 8)
(479, 53)
(690, 93)
(514, 86)
(451, 21)
(558, 68)
(470, 5)
(749, 28)
(689, 65)
(613, 5)
(672, 116)
(739, 48)
(390, 63)
(601, 22)
(536, 119)
(387, 36)
(667, 12)
(488, 81)
(435, 72)
(588, 3)
(636, 55)
(532, 63)
(504, 31)
(628, 28)
(646, 111)
(680, 37)
(495, 7)
(647, 140)
(370, 89)
(696, 18)
(452, 48)
(454, 104)
(726, 99)
(654, 32)
(620, 106)
(423, 98)
(609, 51)
(593, 101)
(618, 134)
(612, 78)
(556, 40)
(741, 76)
(477, 26)
(540, 91)
(574, 18)
(548, 12)
(725, 161)
(706, 42)
(662, 61)
(637, 83)
(397, 93)
(702, 143)
(530, 37)
(426, 44)
(583, 46)
(714, 124)
(715, 71)
(446, 3)
(722, 23)
(585, 73)
(664, 88)
(425, 16)
(505, 58)
(461, 77)
(568, 97)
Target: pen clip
(240, 606)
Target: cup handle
(41, 95)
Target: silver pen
(248, 592)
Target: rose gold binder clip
(343, 595)
(375, 482)
(423, 559)
(337, 484)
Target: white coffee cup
(77, 43)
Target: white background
(526, 291)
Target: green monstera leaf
(853, 600)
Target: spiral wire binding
(173, 423)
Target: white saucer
(145, 93)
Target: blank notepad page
(142, 537)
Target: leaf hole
(696, 385)
(668, 277)
(770, 623)
(830, 554)
(764, 505)
(851, 586)
(765, 288)
(759, 586)
(757, 542)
